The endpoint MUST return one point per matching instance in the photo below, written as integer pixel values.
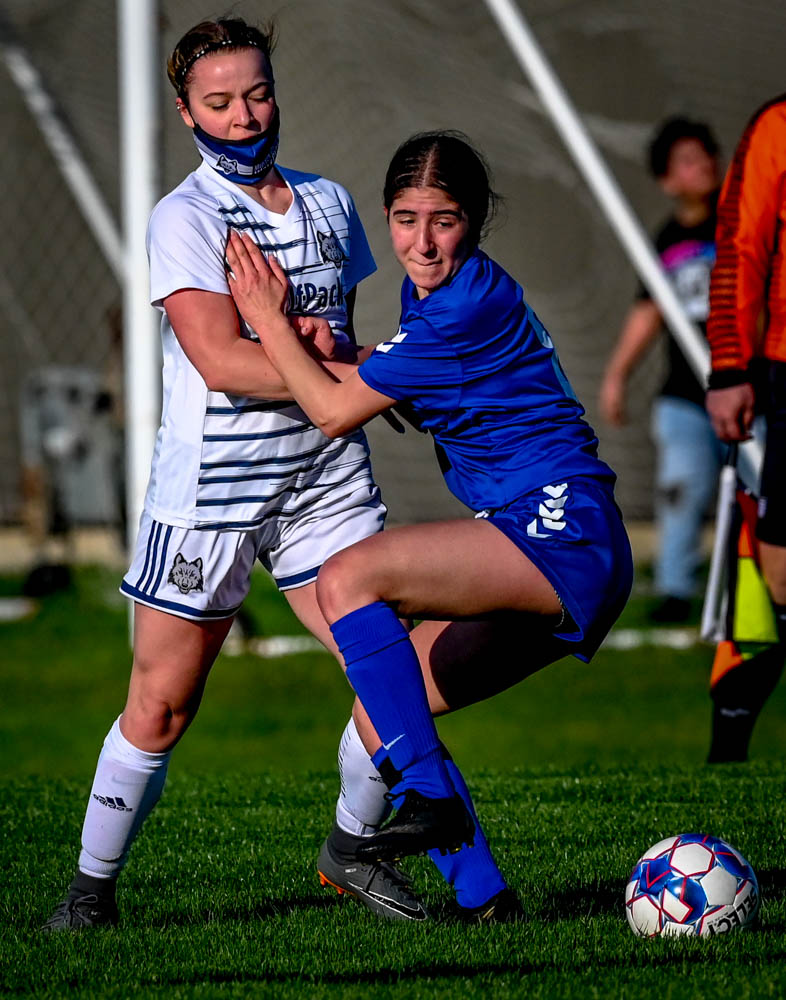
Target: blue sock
(383, 669)
(472, 872)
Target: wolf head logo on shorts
(185, 575)
(330, 248)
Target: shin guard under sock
(383, 669)
(362, 806)
(128, 782)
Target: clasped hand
(259, 286)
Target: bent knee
(333, 582)
(343, 585)
(157, 713)
(154, 725)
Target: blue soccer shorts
(573, 533)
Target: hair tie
(213, 47)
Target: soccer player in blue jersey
(545, 564)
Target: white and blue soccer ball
(691, 884)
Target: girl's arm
(207, 327)
(639, 331)
(259, 288)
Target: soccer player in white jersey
(239, 472)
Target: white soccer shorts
(201, 574)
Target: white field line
(272, 646)
(635, 638)
(12, 609)
(620, 639)
(269, 647)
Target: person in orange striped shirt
(747, 335)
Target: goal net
(354, 78)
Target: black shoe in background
(671, 611)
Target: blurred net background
(354, 78)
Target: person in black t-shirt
(684, 159)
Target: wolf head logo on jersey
(330, 248)
(185, 575)
(227, 165)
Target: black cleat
(503, 908)
(380, 886)
(421, 825)
(80, 910)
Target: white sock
(127, 784)
(361, 806)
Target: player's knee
(340, 585)
(154, 722)
(156, 729)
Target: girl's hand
(258, 284)
(316, 335)
(322, 342)
(612, 400)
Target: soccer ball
(690, 884)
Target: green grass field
(575, 773)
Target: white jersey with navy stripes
(233, 462)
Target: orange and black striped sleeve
(748, 251)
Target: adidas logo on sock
(112, 803)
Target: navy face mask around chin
(244, 161)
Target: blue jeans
(689, 457)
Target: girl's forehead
(230, 65)
(424, 197)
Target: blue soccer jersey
(480, 372)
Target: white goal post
(137, 26)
